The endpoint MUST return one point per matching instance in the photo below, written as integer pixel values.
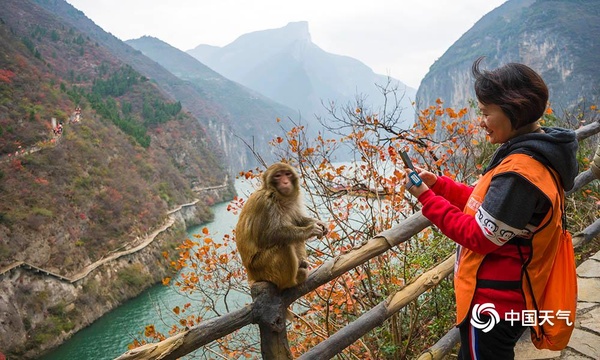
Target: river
(108, 337)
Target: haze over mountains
(251, 116)
(286, 66)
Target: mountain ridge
(253, 114)
(284, 65)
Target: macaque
(272, 230)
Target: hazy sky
(400, 38)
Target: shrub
(134, 276)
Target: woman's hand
(428, 178)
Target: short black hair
(517, 89)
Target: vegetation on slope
(110, 177)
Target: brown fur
(272, 230)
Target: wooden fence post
(269, 313)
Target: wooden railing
(269, 307)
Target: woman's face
(496, 124)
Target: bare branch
(252, 148)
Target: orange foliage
(6, 76)
(359, 201)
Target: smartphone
(413, 176)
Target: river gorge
(108, 337)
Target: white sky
(400, 38)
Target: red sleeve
(458, 226)
(455, 192)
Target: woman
(507, 226)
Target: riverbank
(108, 337)
(40, 309)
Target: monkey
(272, 230)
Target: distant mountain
(557, 38)
(286, 66)
(252, 116)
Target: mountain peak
(293, 32)
(297, 30)
(286, 66)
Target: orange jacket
(544, 242)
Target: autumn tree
(353, 180)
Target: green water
(108, 337)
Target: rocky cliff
(557, 38)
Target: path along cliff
(39, 308)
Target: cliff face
(39, 310)
(557, 38)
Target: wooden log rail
(268, 308)
(380, 313)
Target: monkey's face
(283, 180)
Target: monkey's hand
(322, 229)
